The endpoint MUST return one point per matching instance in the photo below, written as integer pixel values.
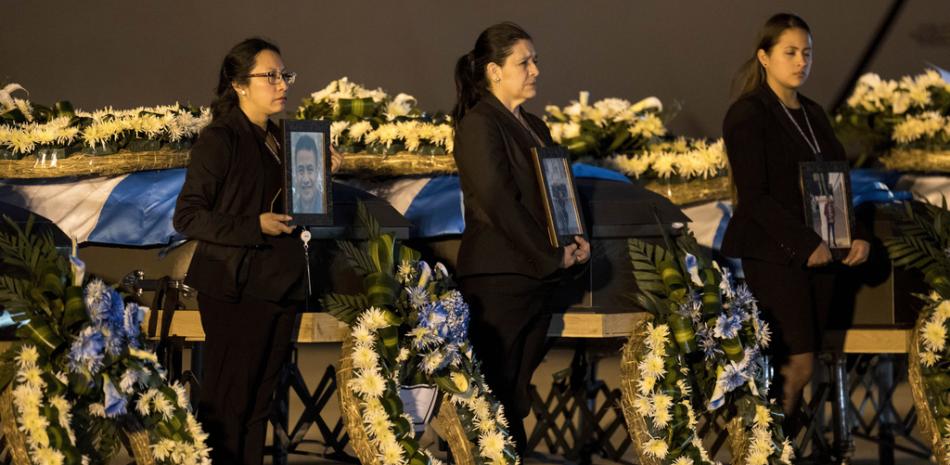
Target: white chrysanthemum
(336, 130)
(663, 165)
(374, 319)
(928, 358)
(162, 405)
(788, 453)
(391, 453)
(942, 312)
(97, 410)
(646, 385)
(763, 417)
(48, 456)
(365, 358)
(934, 336)
(180, 394)
(657, 448)
(683, 461)
(652, 366)
(145, 355)
(491, 444)
(648, 126)
(657, 336)
(359, 129)
(371, 384)
(144, 403)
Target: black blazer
(764, 149)
(233, 178)
(505, 225)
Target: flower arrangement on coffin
(28, 129)
(701, 353)
(409, 327)
(79, 375)
(681, 159)
(606, 127)
(366, 120)
(910, 113)
(922, 242)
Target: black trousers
(508, 329)
(246, 344)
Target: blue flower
(115, 402)
(733, 377)
(86, 351)
(744, 298)
(727, 326)
(103, 303)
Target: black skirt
(795, 301)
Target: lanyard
(815, 149)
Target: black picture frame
(826, 193)
(559, 194)
(308, 197)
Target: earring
(243, 92)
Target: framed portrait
(306, 148)
(826, 191)
(559, 194)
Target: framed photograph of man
(307, 189)
(561, 206)
(826, 191)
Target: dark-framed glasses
(274, 77)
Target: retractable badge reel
(305, 237)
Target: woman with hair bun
(506, 264)
(768, 131)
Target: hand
(858, 253)
(582, 254)
(336, 160)
(568, 260)
(820, 257)
(275, 224)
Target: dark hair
(751, 75)
(305, 143)
(492, 46)
(234, 69)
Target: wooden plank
(593, 325)
(312, 327)
(869, 340)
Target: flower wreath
(80, 374)
(411, 327)
(702, 352)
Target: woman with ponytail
(506, 264)
(768, 131)
(249, 266)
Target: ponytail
(492, 46)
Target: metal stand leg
(884, 384)
(843, 444)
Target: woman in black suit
(768, 130)
(506, 264)
(249, 269)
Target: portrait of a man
(308, 173)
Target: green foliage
(345, 308)
(921, 241)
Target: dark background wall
(128, 53)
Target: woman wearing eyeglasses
(249, 266)
(506, 264)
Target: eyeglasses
(274, 77)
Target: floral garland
(82, 371)
(908, 113)
(607, 127)
(369, 120)
(411, 328)
(436, 348)
(682, 158)
(101, 132)
(704, 349)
